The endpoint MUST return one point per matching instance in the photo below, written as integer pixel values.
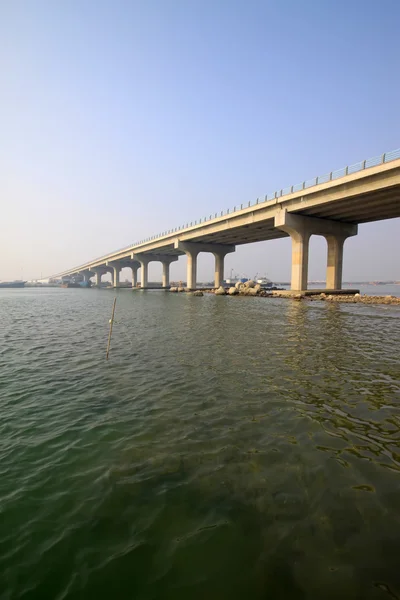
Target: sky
(119, 120)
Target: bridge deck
(368, 194)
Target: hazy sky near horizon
(119, 120)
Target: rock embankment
(347, 298)
(358, 298)
(248, 288)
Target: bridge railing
(332, 176)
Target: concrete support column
(86, 275)
(99, 272)
(300, 245)
(165, 274)
(192, 249)
(115, 276)
(144, 269)
(143, 261)
(301, 228)
(191, 276)
(98, 278)
(334, 262)
(219, 268)
(134, 276)
(114, 267)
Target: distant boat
(234, 279)
(265, 282)
(12, 284)
(231, 281)
(76, 284)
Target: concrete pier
(191, 276)
(143, 260)
(300, 229)
(193, 250)
(220, 263)
(134, 274)
(98, 272)
(115, 269)
(166, 262)
(335, 261)
(144, 274)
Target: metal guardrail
(332, 176)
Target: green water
(231, 448)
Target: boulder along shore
(250, 288)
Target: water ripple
(230, 448)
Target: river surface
(231, 448)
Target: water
(231, 447)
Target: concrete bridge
(331, 205)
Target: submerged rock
(198, 293)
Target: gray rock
(249, 284)
(220, 291)
(198, 293)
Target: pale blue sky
(122, 119)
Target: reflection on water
(230, 448)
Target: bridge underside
(242, 234)
(365, 208)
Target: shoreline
(348, 297)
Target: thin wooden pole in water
(111, 326)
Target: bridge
(331, 205)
